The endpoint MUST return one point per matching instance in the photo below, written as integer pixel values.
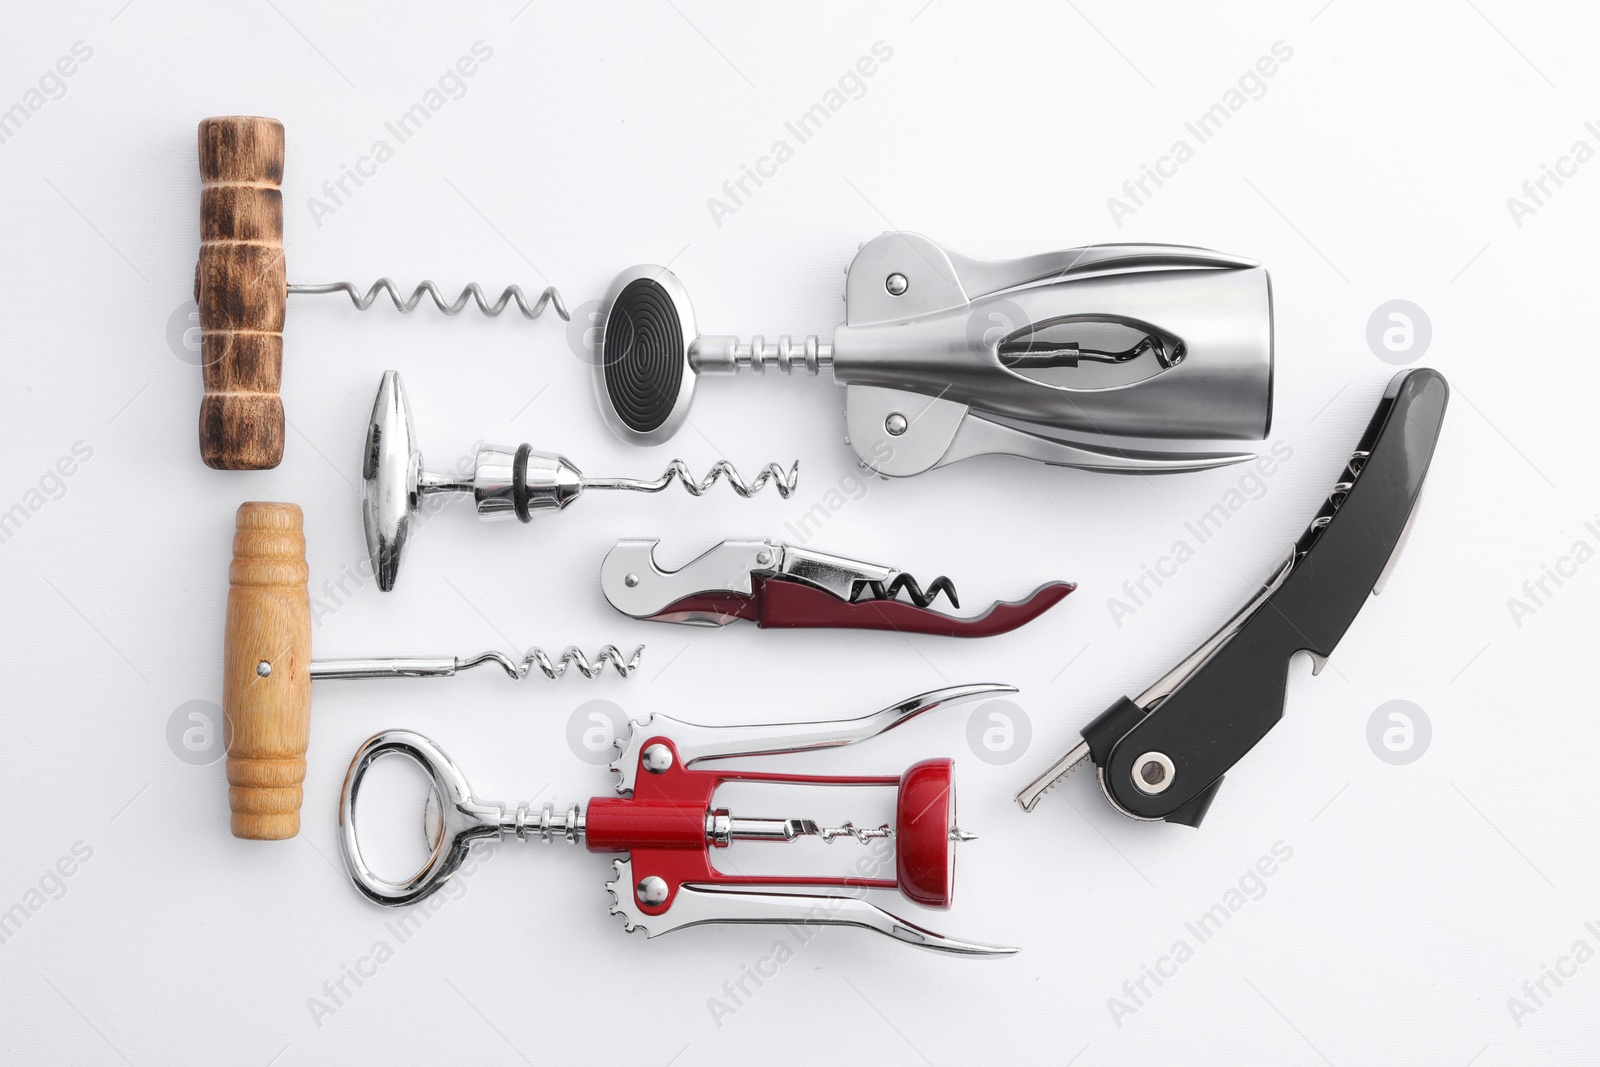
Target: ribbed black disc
(644, 356)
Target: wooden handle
(239, 285)
(268, 715)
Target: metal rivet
(764, 557)
(263, 668)
(896, 424)
(656, 758)
(1153, 772)
(651, 890)
(896, 284)
(631, 580)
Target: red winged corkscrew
(663, 826)
(779, 585)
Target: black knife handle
(1230, 702)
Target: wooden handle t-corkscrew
(240, 288)
(266, 672)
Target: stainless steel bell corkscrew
(505, 482)
(944, 357)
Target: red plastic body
(663, 828)
(778, 603)
(925, 814)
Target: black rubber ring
(519, 483)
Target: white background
(1377, 166)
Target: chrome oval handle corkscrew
(505, 481)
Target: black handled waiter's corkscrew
(1162, 756)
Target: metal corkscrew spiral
(678, 471)
(862, 834)
(444, 667)
(572, 656)
(908, 584)
(473, 292)
(1341, 489)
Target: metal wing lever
(899, 434)
(695, 742)
(938, 278)
(982, 277)
(701, 905)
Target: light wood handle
(240, 288)
(268, 716)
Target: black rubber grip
(644, 356)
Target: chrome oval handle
(463, 820)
